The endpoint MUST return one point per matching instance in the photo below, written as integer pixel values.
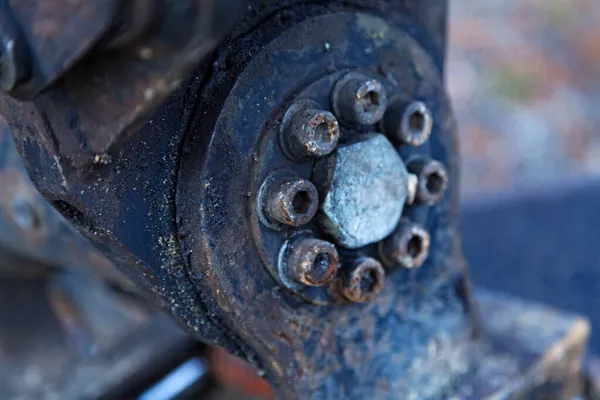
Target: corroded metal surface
(533, 352)
(366, 191)
(74, 337)
(56, 34)
(382, 349)
(176, 208)
(34, 238)
(108, 93)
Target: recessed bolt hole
(368, 281)
(414, 246)
(417, 122)
(435, 183)
(323, 133)
(301, 202)
(371, 101)
(321, 264)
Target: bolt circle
(308, 131)
(408, 124)
(433, 180)
(288, 200)
(358, 99)
(407, 247)
(363, 281)
(312, 262)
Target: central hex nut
(364, 187)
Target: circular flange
(225, 163)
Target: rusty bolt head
(364, 187)
(362, 281)
(408, 123)
(433, 180)
(308, 131)
(288, 199)
(407, 247)
(312, 262)
(358, 99)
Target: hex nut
(407, 247)
(287, 199)
(362, 281)
(433, 180)
(312, 262)
(364, 190)
(410, 123)
(358, 99)
(308, 131)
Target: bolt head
(308, 131)
(362, 282)
(433, 180)
(312, 262)
(407, 247)
(408, 123)
(365, 189)
(358, 99)
(287, 199)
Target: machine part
(407, 247)
(287, 199)
(305, 265)
(312, 262)
(15, 64)
(522, 361)
(365, 189)
(433, 180)
(362, 281)
(408, 123)
(231, 149)
(412, 186)
(34, 238)
(51, 39)
(134, 20)
(358, 99)
(308, 131)
(108, 94)
(176, 206)
(82, 339)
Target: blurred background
(524, 76)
